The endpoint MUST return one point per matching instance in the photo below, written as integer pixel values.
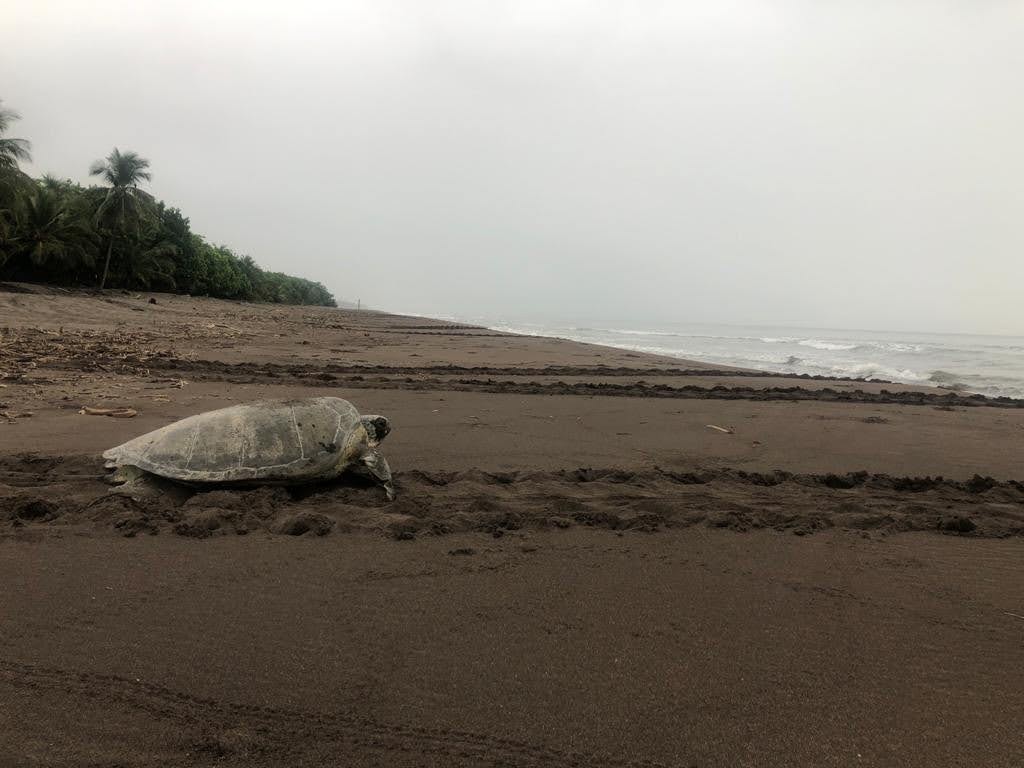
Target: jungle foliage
(117, 235)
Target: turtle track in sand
(214, 730)
(121, 352)
(599, 371)
(406, 379)
(142, 354)
(46, 493)
(592, 389)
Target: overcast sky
(834, 164)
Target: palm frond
(7, 116)
(13, 150)
(106, 212)
(147, 265)
(48, 233)
(122, 169)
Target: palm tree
(53, 184)
(48, 233)
(146, 265)
(11, 150)
(8, 237)
(124, 202)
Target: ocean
(988, 365)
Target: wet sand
(578, 570)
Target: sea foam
(991, 365)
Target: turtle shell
(269, 440)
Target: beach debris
(122, 412)
(726, 430)
(225, 327)
(301, 441)
(957, 524)
(168, 383)
(13, 416)
(1015, 615)
(108, 351)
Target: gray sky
(846, 164)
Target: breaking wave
(990, 365)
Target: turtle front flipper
(378, 467)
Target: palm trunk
(106, 264)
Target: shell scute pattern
(266, 440)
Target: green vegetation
(118, 235)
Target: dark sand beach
(578, 569)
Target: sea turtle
(269, 441)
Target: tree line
(117, 235)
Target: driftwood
(117, 413)
(726, 430)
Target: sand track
(300, 370)
(224, 729)
(41, 492)
(202, 370)
(90, 350)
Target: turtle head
(377, 427)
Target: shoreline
(939, 378)
(427, 323)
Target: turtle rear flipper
(123, 474)
(135, 483)
(128, 480)
(378, 467)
